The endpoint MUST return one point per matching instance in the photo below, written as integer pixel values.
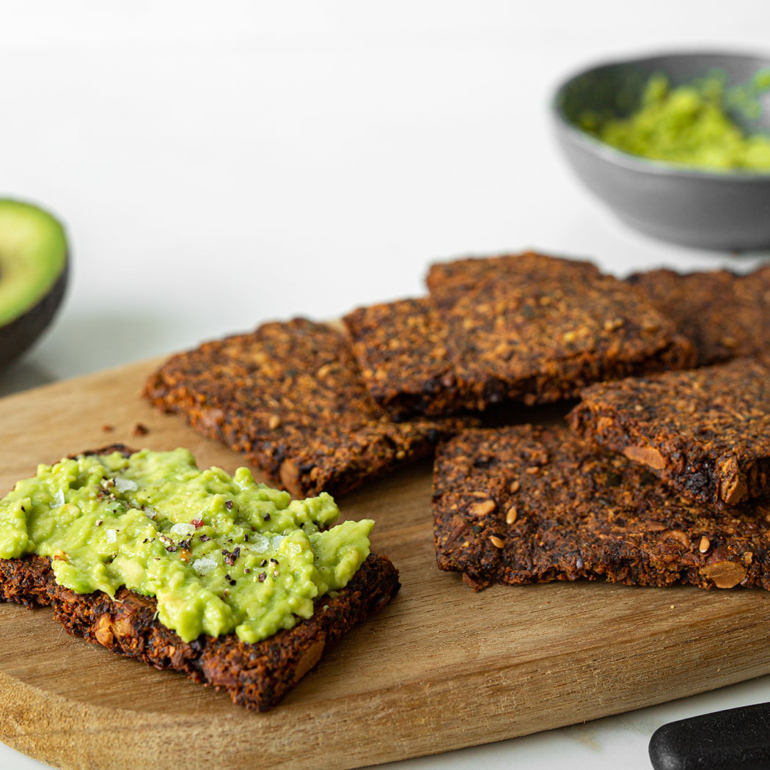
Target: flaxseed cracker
(706, 431)
(401, 350)
(256, 676)
(724, 314)
(538, 329)
(290, 397)
(528, 504)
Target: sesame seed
(704, 545)
(496, 541)
(511, 516)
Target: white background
(223, 164)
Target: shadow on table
(81, 343)
(23, 375)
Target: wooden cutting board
(438, 669)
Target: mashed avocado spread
(689, 125)
(219, 553)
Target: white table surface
(221, 164)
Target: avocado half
(34, 266)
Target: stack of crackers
(656, 480)
(659, 476)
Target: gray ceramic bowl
(707, 209)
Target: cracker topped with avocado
(190, 569)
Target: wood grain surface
(439, 669)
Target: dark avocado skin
(19, 335)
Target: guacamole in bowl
(677, 145)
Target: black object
(736, 739)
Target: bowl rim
(637, 162)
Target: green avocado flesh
(689, 125)
(219, 553)
(33, 254)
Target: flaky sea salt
(204, 566)
(126, 485)
(58, 499)
(182, 529)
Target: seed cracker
(256, 676)
(527, 504)
(725, 315)
(291, 398)
(706, 432)
(401, 350)
(538, 329)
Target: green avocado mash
(219, 553)
(688, 125)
